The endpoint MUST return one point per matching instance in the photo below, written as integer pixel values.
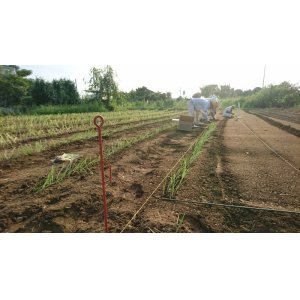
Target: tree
(226, 91)
(41, 92)
(256, 90)
(13, 87)
(23, 72)
(102, 85)
(197, 95)
(12, 90)
(140, 94)
(238, 93)
(62, 91)
(282, 95)
(144, 94)
(15, 70)
(211, 89)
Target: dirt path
(262, 175)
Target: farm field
(288, 119)
(246, 161)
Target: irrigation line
(229, 205)
(274, 151)
(147, 200)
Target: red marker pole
(110, 174)
(99, 121)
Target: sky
(166, 46)
(176, 78)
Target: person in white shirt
(206, 106)
(228, 111)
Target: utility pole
(263, 84)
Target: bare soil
(283, 120)
(235, 168)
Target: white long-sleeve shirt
(199, 104)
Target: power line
(263, 84)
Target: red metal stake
(110, 176)
(99, 121)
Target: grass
(57, 174)
(179, 223)
(175, 180)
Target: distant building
(7, 70)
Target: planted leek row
(39, 146)
(174, 181)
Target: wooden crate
(186, 123)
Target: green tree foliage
(144, 94)
(41, 92)
(13, 88)
(226, 91)
(17, 70)
(256, 90)
(62, 91)
(197, 95)
(141, 94)
(23, 72)
(211, 89)
(102, 85)
(238, 93)
(282, 96)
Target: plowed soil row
(290, 115)
(287, 126)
